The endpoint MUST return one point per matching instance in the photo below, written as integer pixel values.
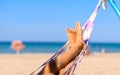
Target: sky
(47, 20)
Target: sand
(94, 64)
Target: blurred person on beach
(57, 66)
(102, 51)
(87, 52)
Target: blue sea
(52, 47)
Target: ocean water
(52, 47)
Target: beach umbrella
(17, 46)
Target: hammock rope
(87, 31)
(115, 7)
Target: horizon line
(57, 42)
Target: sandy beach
(94, 64)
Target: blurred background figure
(103, 51)
(87, 52)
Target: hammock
(87, 30)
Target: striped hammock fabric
(87, 30)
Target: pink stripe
(90, 24)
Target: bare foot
(79, 38)
(75, 36)
(79, 31)
(71, 35)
